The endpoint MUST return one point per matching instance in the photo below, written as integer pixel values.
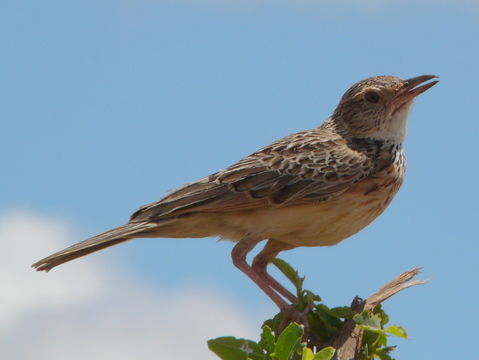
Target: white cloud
(83, 311)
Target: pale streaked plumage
(312, 188)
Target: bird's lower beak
(411, 88)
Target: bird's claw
(291, 314)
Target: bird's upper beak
(411, 89)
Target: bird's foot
(291, 314)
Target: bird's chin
(398, 124)
(400, 107)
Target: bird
(312, 188)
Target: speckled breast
(332, 221)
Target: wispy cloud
(84, 311)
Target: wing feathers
(312, 169)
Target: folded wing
(305, 167)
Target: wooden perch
(348, 341)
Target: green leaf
(231, 348)
(317, 327)
(307, 354)
(290, 273)
(342, 312)
(397, 330)
(325, 354)
(381, 341)
(275, 322)
(378, 310)
(267, 339)
(309, 296)
(385, 350)
(288, 341)
(369, 338)
(368, 321)
(385, 357)
(329, 319)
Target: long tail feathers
(98, 242)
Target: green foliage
(289, 342)
(326, 353)
(375, 336)
(228, 347)
(281, 342)
(288, 346)
(290, 273)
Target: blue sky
(109, 104)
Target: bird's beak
(411, 89)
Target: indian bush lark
(312, 188)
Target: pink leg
(241, 249)
(268, 284)
(261, 261)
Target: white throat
(395, 129)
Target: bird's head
(378, 107)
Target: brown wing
(309, 166)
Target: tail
(101, 241)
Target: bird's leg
(238, 254)
(261, 261)
(240, 250)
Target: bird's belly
(313, 224)
(328, 223)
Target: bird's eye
(372, 96)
